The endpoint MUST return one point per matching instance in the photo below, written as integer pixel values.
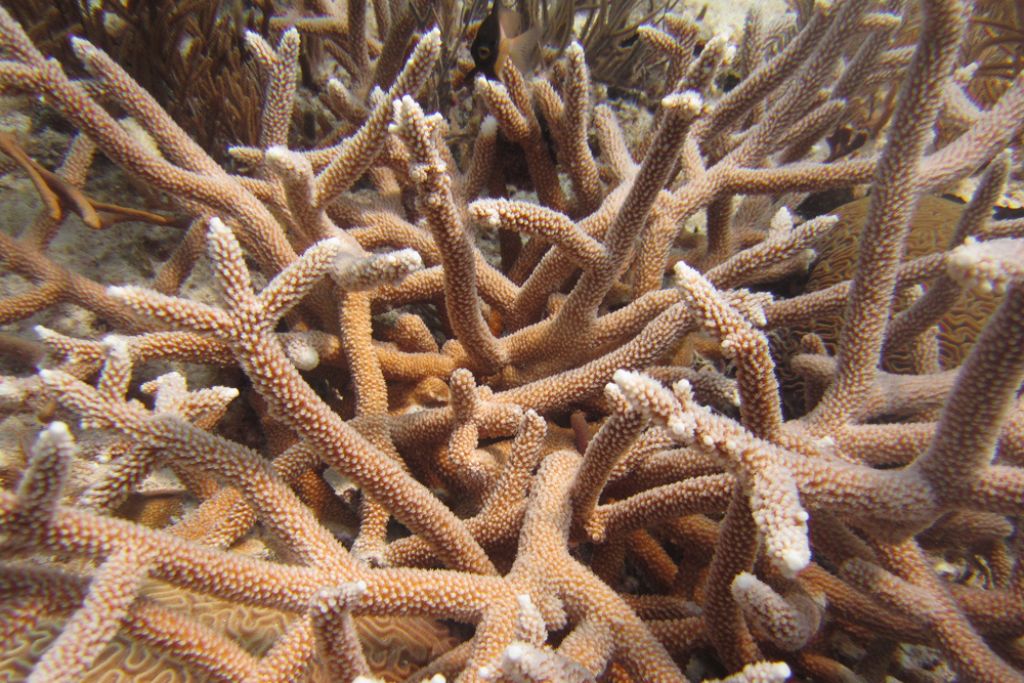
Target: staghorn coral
(188, 55)
(545, 463)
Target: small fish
(500, 38)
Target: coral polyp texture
(488, 385)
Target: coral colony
(621, 449)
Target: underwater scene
(518, 341)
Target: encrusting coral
(553, 463)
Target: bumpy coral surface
(475, 401)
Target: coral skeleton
(497, 411)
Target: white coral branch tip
(485, 213)
(489, 126)
(684, 274)
(760, 672)
(46, 334)
(792, 562)
(83, 49)
(689, 102)
(355, 273)
(57, 433)
(217, 228)
(987, 267)
(117, 345)
(278, 154)
(781, 222)
(302, 354)
(122, 291)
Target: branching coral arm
(890, 212)
(249, 332)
